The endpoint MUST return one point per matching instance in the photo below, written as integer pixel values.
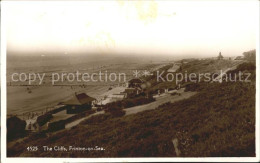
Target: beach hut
(78, 103)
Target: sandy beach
(24, 98)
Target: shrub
(97, 119)
(250, 55)
(115, 111)
(41, 120)
(175, 93)
(55, 126)
(15, 128)
(57, 110)
(131, 102)
(78, 116)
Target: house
(114, 94)
(78, 103)
(110, 98)
(135, 82)
(131, 92)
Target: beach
(25, 97)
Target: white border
(257, 82)
(44, 160)
(3, 83)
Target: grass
(215, 123)
(194, 66)
(130, 102)
(205, 66)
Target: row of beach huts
(80, 102)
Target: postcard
(116, 81)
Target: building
(114, 94)
(120, 96)
(78, 103)
(109, 99)
(135, 82)
(220, 57)
(132, 92)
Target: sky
(146, 27)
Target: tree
(15, 127)
(250, 55)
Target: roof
(136, 80)
(107, 100)
(120, 96)
(79, 99)
(116, 90)
(130, 90)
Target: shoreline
(25, 99)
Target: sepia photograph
(134, 79)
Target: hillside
(194, 66)
(219, 122)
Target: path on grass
(163, 98)
(74, 123)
